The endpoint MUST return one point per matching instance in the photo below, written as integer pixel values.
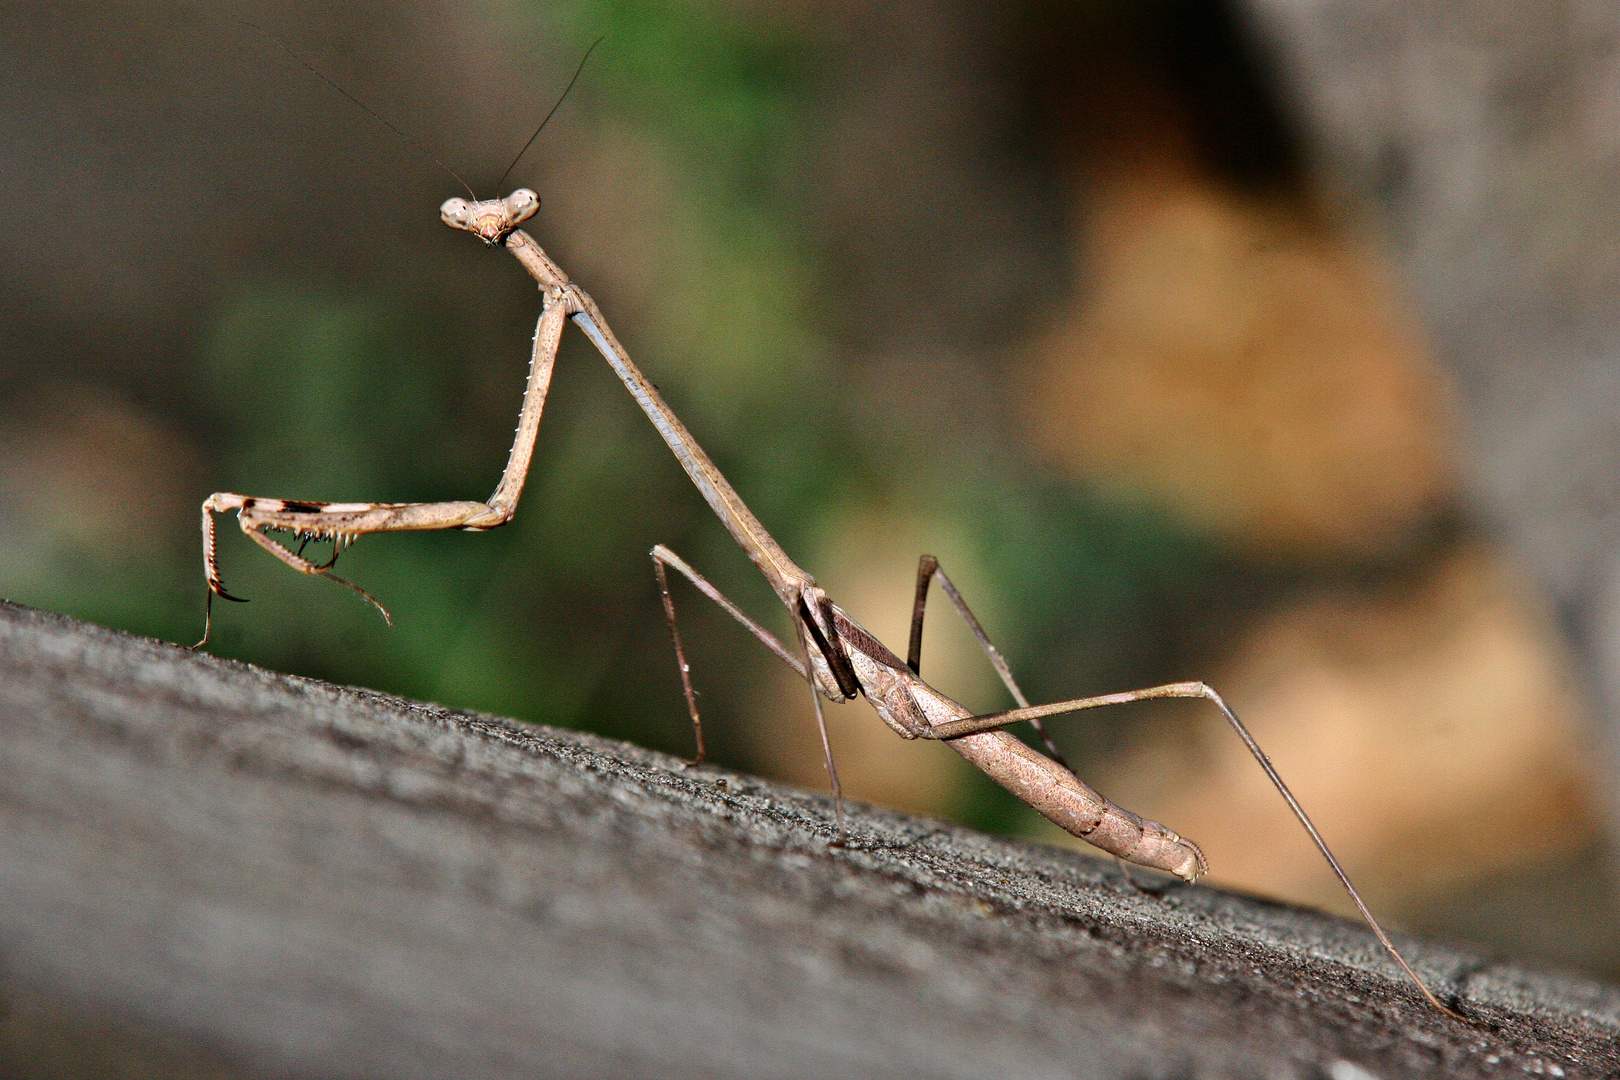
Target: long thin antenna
(373, 113)
(499, 183)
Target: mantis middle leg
(662, 557)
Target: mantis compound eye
(521, 205)
(456, 213)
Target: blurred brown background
(1272, 345)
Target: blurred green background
(320, 360)
(838, 237)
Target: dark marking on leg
(925, 573)
(852, 686)
(843, 670)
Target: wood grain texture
(207, 869)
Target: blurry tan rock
(1430, 728)
(1234, 360)
(1247, 366)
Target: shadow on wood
(207, 869)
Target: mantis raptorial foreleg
(343, 523)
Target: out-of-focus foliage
(307, 382)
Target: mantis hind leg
(993, 721)
(928, 568)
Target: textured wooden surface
(207, 869)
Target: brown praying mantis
(839, 658)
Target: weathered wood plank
(247, 873)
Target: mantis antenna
(563, 97)
(413, 143)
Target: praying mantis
(839, 658)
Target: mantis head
(492, 219)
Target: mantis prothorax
(838, 657)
